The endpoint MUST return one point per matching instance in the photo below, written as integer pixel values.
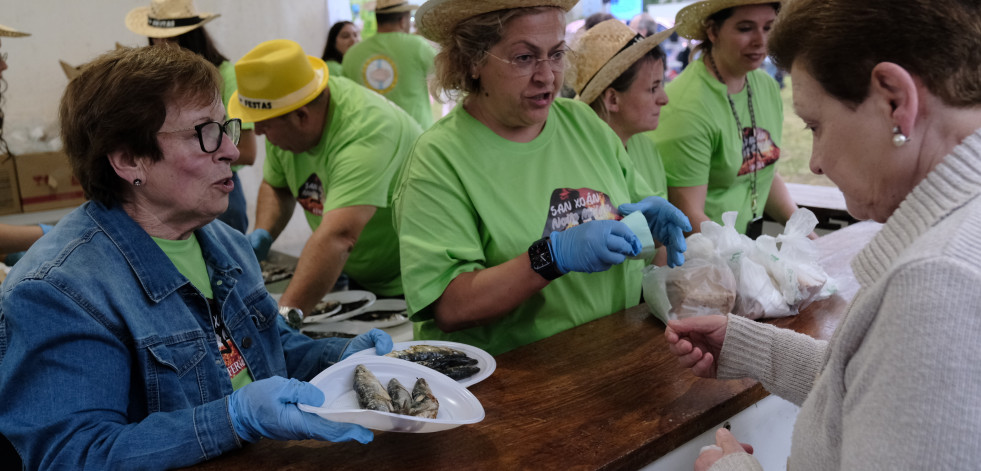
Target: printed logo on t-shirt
(380, 74)
(230, 353)
(768, 155)
(570, 207)
(311, 195)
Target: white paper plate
(343, 297)
(485, 361)
(395, 308)
(457, 405)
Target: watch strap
(293, 316)
(542, 260)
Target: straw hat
(605, 52)
(6, 31)
(393, 6)
(437, 18)
(690, 20)
(166, 18)
(70, 70)
(274, 78)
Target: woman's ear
(611, 100)
(126, 165)
(898, 92)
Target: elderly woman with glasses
(138, 333)
(509, 208)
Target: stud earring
(137, 182)
(898, 138)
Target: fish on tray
(449, 361)
(371, 394)
(421, 402)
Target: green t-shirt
(470, 199)
(700, 145)
(365, 142)
(334, 69)
(227, 70)
(647, 159)
(187, 258)
(397, 66)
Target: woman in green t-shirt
(620, 74)
(720, 138)
(340, 38)
(508, 208)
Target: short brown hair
(119, 101)
(839, 42)
(466, 47)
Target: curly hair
(466, 49)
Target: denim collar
(154, 270)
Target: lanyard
(749, 140)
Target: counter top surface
(604, 395)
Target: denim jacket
(107, 355)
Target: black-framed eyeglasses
(209, 134)
(526, 64)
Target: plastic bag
(703, 285)
(766, 278)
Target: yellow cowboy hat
(274, 78)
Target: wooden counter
(605, 395)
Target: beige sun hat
(393, 6)
(274, 78)
(604, 53)
(9, 32)
(166, 18)
(690, 20)
(71, 71)
(437, 18)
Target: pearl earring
(898, 138)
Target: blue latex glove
(668, 225)
(267, 408)
(593, 246)
(379, 339)
(261, 241)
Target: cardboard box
(9, 194)
(45, 181)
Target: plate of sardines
(466, 364)
(392, 395)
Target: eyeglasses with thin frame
(209, 134)
(526, 64)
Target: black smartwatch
(542, 261)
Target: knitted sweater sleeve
(783, 361)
